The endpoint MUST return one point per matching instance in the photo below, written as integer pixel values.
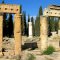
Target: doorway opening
(8, 32)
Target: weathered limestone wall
(43, 32)
(54, 40)
(1, 31)
(52, 11)
(17, 33)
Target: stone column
(30, 30)
(43, 32)
(17, 34)
(1, 31)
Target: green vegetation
(8, 23)
(37, 22)
(28, 18)
(33, 26)
(3, 2)
(31, 57)
(24, 24)
(53, 24)
(49, 50)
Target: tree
(2, 1)
(20, 8)
(33, 27)
(37, 22)
(49, 27)
(56, 24)
(52, 24)
(28, 18)
(10, 25)
(24, 23)
(37, 26)
(40, 11)
(4, 24)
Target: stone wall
(54, 40)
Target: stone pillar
(1, 31)
(30, 30)
(17, 34)
(43, 32)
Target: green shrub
(49, 50)
(31, 57)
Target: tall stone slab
(1, 31)
(30, 30)
(43, 32)
(17, 33)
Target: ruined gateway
(15, 9)
(44, 40)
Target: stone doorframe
(15, 9)
(52, 10)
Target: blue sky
(32, 6)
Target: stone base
(30, 37)
(54, 33)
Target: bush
(31, 57)
(49, 50)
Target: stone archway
(52, 10)
(15, 9)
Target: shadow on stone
(29, 45)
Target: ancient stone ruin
(52, 10)
(15, 9)
(44, 40)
